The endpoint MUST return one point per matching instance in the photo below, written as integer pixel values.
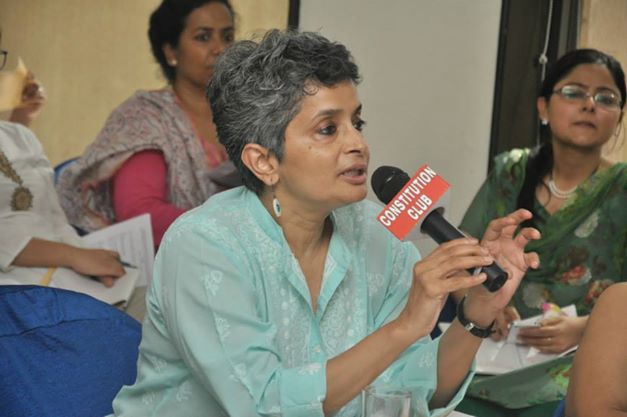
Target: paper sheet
(133, 240)
(12, 85)
(120, 292)
(497, 358)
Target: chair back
(560, 410)
(58, 169)
(62, 353)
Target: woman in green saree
(578, 198)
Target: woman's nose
(218, 46)
(356, 141)
(589, 103)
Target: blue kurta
(230, 330)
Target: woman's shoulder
(512, 159)
(148, 100)
(223, 217)
(618, 172)
(508, 168)
(19, 140)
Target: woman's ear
(543, 111)
(261, 162)
(170, 55)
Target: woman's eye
(607, 99)
(359, 124)
(328, 130)
(203, 37)
(573, 93)
(228, 37)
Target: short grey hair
(257, 89)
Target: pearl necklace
(561, 194)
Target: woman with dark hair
(158, 152)
(577, 196)
(286, 297)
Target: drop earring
(276, 206)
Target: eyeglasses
(605, 99)
(3, 58)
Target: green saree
(583, 247)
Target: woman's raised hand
(33, 100)
(438, 274)
(508, 249)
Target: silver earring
(173, 62)
(544, 122)
(276, 206)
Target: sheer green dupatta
(561, 227)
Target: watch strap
(481, 332)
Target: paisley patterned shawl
(147, 120)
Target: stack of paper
(119, 293)
(132, 239)
(496, 358)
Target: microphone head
(387, 181)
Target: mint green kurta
(229, 329)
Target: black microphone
(387, 181)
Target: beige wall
(604, 27)
(91, 55)
(428, 71)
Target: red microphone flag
(413, 202)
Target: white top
(44, 219)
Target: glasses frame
(587, 96)
(3, 58)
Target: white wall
(428, 70)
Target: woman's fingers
(506, 225)
(459, 282)
(539, 336)
(526, 235)
(501, 327)
(443, 270)
(532, 259)
(511, 314)
(456, 248)
(107, 281)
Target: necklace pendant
(22, 199)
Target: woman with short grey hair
(285, 296)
